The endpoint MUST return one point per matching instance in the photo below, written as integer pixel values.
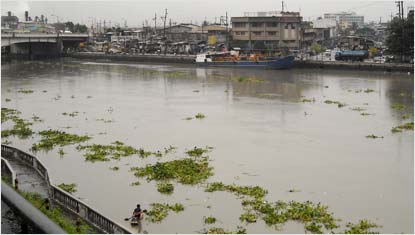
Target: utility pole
(227, 32)
(164, 31)
(155, 23)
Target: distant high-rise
(346, 19)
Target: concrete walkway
(29, 179)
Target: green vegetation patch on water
(70, 188)
(200, 116)
(314, 216)
(160, 211)
(25, 91)
(99, 152)
(185, 171)
(252, 191)
(209, 220)
(20, 129)
(197, 152)
(398, 106)
(216, 230)
(339, 104)
(165, 188)
(407, 126)
(372, 136)
(73, 114)
(52, 138)
(9, 114)
(308, 100)
(362, 227)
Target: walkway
(29, 179)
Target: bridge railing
(63, 198)
(7, 172)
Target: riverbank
(190, 59)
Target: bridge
(30, 175)
(35, 45)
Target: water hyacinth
(52, 138)
(406, 126)
(209, 220)
(252, 191)
(98, 152)
(160, 211)
(165, 188)
(185, 171)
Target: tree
(70, 26)
(400, 37)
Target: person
(137, 212)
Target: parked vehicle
(358, 55)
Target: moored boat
(233, 59)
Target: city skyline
(135, 13)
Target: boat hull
(281, 63)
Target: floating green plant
(24, 91)
(188, 118)
(105, 120)
(99, 152)
(362, 227)
(20, 129)
(115, 168)
(369, 90)
(215, 230)
(165, 188)
(406, 126)
(73, 114)
(365, 114)
(160, 211)
(209, 220)
(398, 106)
(9, 114)
(372, 136)
(196, 91)
(170, 149)
(200, 116)
(252, 191)
(136, 183)
(36, 118)
(44, 91)
(8, 100)
(339, 104)
(248, 217)
(197, 152)
(51, 138)
(70, 188)
(294, 190)
(359, 109)
(308, 100)
(186, 171)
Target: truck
(358, 55)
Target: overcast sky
(138, 11)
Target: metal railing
(65, 199)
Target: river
(260, 130)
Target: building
(346, 19)
(267, 30)
(9, 22)
(329, 24)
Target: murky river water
(261, 132)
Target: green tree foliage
(76, 28)
(401, 36)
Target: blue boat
(227, 59)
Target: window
(257, 24)
(243, 33)
(272, 24)
(292, 26)
(286, 26)
(273, 33)
(239, 24)
(240, 33)
(257, 33)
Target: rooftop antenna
(282, 6)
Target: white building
(346, 19)
(326, 24)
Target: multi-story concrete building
(346, 19)
(267, 30)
